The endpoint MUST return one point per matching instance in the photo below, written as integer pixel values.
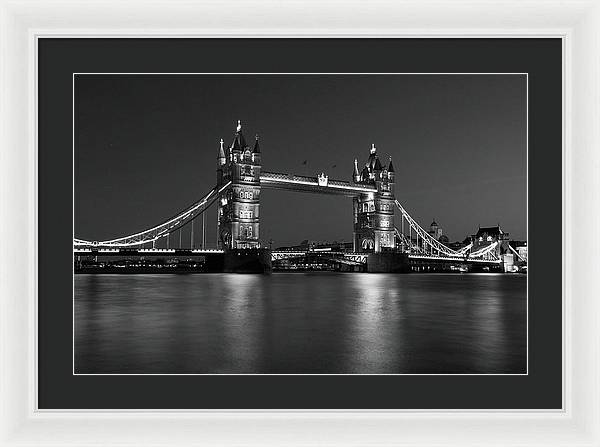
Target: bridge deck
(126, 251)
(293, 182)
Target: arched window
(249, 231)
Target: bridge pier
(387, 262)
(252, 260)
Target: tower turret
(221, 157)
(371, 161)
(239, 143)
(377, 166)
(221, 161)
(366, 175)
(391, 170)
(355, 173)
(256, 151)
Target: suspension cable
(165, 228)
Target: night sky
(146, 147)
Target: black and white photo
(303, 224)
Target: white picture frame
(576, 22)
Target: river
(303, 323)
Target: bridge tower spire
(355, 173)
(374, 212)
(238, 205)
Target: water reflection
(300, 323)
(242, 311)
(373, 341)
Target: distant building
(523, 251)
(458, 245)
(521, 248)
(488, 235)
(307, 245)
(437, 232)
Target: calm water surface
(301, 323)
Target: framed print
(160, 293)
(297, 237)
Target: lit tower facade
(374, 212)
(238, 206)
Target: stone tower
(374, 212)
(238, 206)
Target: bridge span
(380, 241)
(124, 260)
(319, 184)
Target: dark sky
(146, 146)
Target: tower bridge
(380, 242)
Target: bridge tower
(238, 206)
(374, 212)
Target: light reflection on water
(300, 323)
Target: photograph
(300, 224)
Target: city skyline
(467, 166)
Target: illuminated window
(249, 231)
(367, 244)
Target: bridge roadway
(105, 251)
(355, 258)
(346, 257)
